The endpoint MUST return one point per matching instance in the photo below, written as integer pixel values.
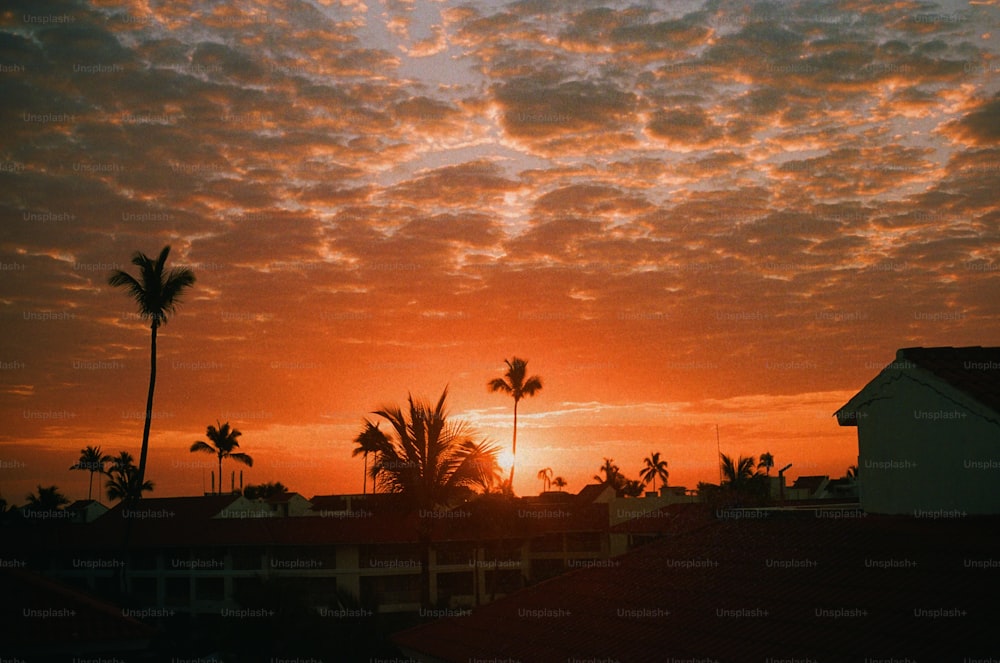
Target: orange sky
(703, 214)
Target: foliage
(123, 479)
(515, 383)
(223, 445)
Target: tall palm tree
(517, 384)
(545, 474)
(223, 439)
(369, 440)
(123, 479)
(654, 467)
(559, 483)
(766, 462)
(47, 499)
(91, 460)
(157, 294)
(433, 461)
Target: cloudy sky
(684, 214)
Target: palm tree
(654, 467)
(157, 295)
(766, 462)
(545, 475)
(433, 461)
(737, 474)
(223, 441)
(123, 479)
(92, 460)
(630, 488)
(47, 499)
(264, 490)
(369, 440)
(612, 474)
(559, 483)
(515, 383)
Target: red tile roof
(75, 621)
(785, 586)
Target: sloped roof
(793, 585)
(811, 483)
(81, 622)
(974, 371)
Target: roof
(810, 483)
(974, 371)
(76, 621)
(789, 586)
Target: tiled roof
(793, 585)
(76, 621)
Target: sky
(705, 224)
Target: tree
(766, 462)
(123, 479)
(612, 473)
(434, 462)
(545, 475)
(91, 460)
(630, 488)
(559, 483)
(264, 490)
(47, 499)
(223, 442)
(157, 294)
(654, 467)
(738, 473)
(369, 440)
(516, 384)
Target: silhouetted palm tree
(738, 474)
(434, 462)
(264, 490)
(654, 467)
(47, 499)
(91, 460)
(545, 474)
(516, 384)
(369, 440)
(612, 474)
(630, 488)
(157, 294)
(559, 483)
(766, 462)
(123, 479)
(223, 441)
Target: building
(929, 433)
(786, 585)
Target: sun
(505, 459)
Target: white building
(929, 433)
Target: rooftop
(824, 585)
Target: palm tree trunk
(364, 478)
(513, 450)
(149, 404)
(90, 488)
(219, 492)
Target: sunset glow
(706, 225)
